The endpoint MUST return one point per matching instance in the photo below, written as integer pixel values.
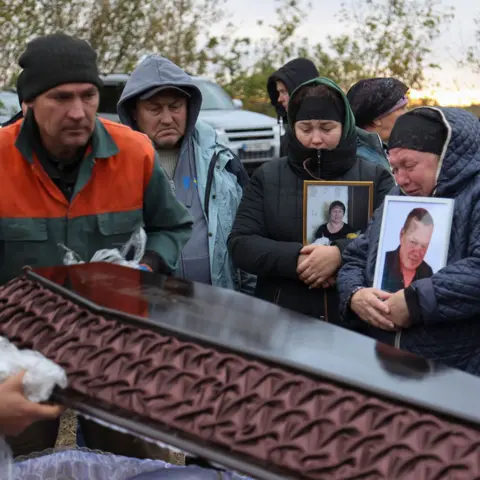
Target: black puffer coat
(266, 238)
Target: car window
(214, 97)
(109, 97)
(9, 104)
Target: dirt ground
(68, 427)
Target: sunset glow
(460, 98)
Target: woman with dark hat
(434, 152)
(266, 238)
(376, 104)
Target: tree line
(382, 38)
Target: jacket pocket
(24, 241)
(116, 229)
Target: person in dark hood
(162, 101)
(266, 239)
(282, 83)
(434, 152)
(376, 104)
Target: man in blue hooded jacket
(163, 102)
(434, 152)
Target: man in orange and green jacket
(70, 178)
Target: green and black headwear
(332, 104)
(327, 107)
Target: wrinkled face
(163, 118)
(414, 244)
(283, 96)
(384, 125)
(66, 115)
(415, 172)
(336, 215)
(325, 134)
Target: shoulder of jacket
(270, 170)
(275, 165)
(370, 168)
(204, 135)
(9, 134)
(205, 138)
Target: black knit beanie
(373, 97)
(421, 129)
(317, 102)
(54, 60)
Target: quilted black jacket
(449, 331)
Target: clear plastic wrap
(136, 243)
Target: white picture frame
(425, 257)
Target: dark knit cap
(54, 60)
(421, 129)
(375, 97)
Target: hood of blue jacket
(156, 71)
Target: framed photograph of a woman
(414, 240)
(335, 210)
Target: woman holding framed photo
(267, 236)
(419, 290)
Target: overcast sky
(322, 22)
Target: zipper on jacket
(398, 337)
(319, 163)
(276, 297)
(208, 186)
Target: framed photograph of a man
(335, 210)
(414, 240)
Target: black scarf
(310, 163)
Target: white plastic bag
(322, 241)
(137, 241)
(41, 374)
(39, 380)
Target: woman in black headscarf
(266, 238)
